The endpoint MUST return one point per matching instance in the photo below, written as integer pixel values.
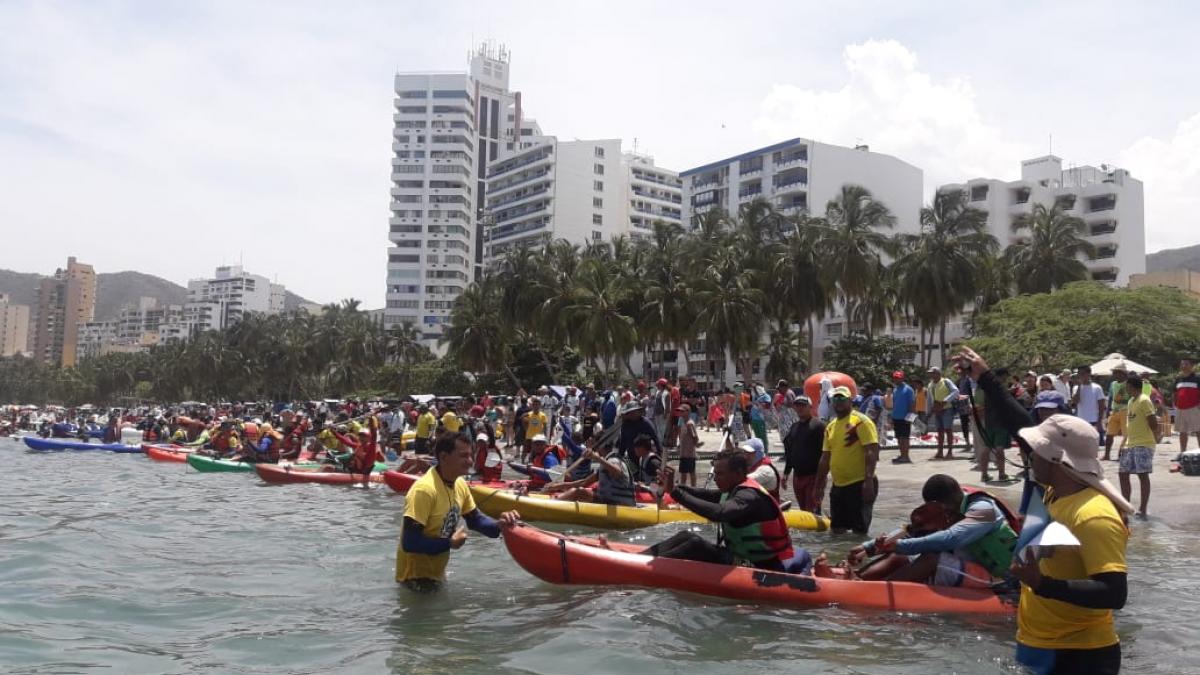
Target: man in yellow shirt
(435, 511)
(1065, 619)
(426, 424)
(536, 422)
(849, 453)
(1142, 433)
(451, 422)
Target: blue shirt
(903, 401)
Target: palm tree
(606, 331)
(785, 354)
(851, 241)
(797, 281)
(665, 315)
(475, 336)
(939, 268)
(1049, 255)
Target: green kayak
(210, 464)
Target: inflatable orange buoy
(812, 386)
(182, 421)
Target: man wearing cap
(850, 453)
(1050, 403)
(488, 466)
(633, 425)
(802, 454)
(903, 413)
(761, 469)
(536, 422)
(943, 395)
(1065, 620)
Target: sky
(173, 137)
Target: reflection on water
(115, 563)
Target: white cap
(538, 438)
(482, 437)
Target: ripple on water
(116, 563)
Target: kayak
(494, 501)
(59, 444)
(401, 482)
(273, 473)
(561, 559)
(166, 452)
(207, 464)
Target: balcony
(799, 201)
(504, 216)
(1020, 196)
(541, 155)
(1108, 275)
(706, 198)
(519, 195)
(750, 191)
(979, 193)
(786, 158)
(1102, 228)
(515, 229)
(653, 178)
(1107, 252)
(1065, 202)
(747, 167)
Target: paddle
(606, 436)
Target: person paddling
(436, 507)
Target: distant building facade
(1185, 280)
(220, 301)
(136, 328)
(14, 327)
(65, 302)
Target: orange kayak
(283, 474)
(562, 559)
(166, 452)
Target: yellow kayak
(494, 501)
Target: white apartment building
(580, 191)
(14, 327)
(1108, 200)
(447, 126)
(222, 300)
(802, 176)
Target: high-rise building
(136, 328)
(802, 176)
(653, 194)
(1108, 200)
(14, 327)
(65, 303)
(447, 126)
(220, 301)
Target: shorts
(1138, 459)
(943, 421)
(1187, 421)
(953, 570)
(1116, 423)
(687, 465)
(847, 510)
(421, 446)
(1099, 661)
(903, 428)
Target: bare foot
(821, 566)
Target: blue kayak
(50, 444)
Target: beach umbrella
(1105, 366)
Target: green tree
(1049, 251)
(867, 359)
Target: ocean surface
(117, 564)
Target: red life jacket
(481, 468)
(540, 462)
(1014, 521)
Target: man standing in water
(434, 511)
(1187, 404)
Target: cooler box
(131, 436)
(1189, 463)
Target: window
(408, 168)
(414, 94)
(598, 169)
(597, 219)
(412, 109)
(404, 288)
(833, 330)
(597, 202)
(403, 304)
(449, 93)
(401, 258)
(406, 229)
(406, 199)
(410, 184)
(599, 151)
(596, 236)
(439, 304)
(410, 213)
(598, 185)
(409, 243)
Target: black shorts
(847, 510)
(421, 446)
(902, 428)
(687, 465)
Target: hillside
(114, 290)
(1187, 257)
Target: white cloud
(1170, 170)
(896, 108)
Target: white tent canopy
(1105, 366)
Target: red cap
(662, 382)
(477, 411)
(898, 375)
(641, 384)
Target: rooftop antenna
(1051, 144)
(635, 145)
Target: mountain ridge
(1185, 257)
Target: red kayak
(274, 473)
(561, 559)
(166, 452)
(401, 482)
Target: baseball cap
(1071, 443)
(1050, 399)
(802, 400)
(751, 445)
(898, 375)
(844, 392)
(662, 382)
(484, 437)
(538, 438)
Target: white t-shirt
(1090, 396)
